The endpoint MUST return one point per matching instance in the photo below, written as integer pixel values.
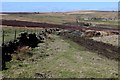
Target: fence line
(3, 37)
(14, 33)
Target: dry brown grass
(111, 39)
(60, 17)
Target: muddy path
(107, 50)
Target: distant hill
(71, 12)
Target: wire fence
(10, 33)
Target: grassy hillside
(60, 58)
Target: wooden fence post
(3, 37)
(24, 28)
(36, 30)
(31, 31)
(15, 35)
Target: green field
(60, 58)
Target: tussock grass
(66, 59)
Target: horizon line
(54, 11)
